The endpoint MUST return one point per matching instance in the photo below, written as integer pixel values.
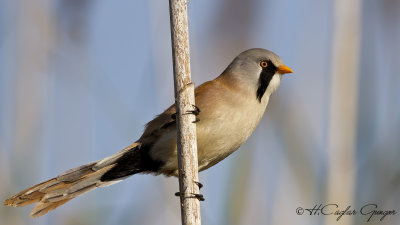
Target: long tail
(68, 185)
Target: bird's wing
(166, 121)
(159, 125)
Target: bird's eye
(263, 64)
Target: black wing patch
(135, 160)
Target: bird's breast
(227, 119)
(226, 127)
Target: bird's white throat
(273, 85)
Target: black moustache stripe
(265, 77)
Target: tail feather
(68, 185)
(44, 207)
(28, 196)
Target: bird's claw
(195, 112)
(200, 185)
(199, 197)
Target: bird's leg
(195, 112)
(200, 185)
(199, 197)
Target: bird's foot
(195, 112)
(200, 185)
(199, 197)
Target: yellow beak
(284, 69)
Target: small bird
(229, 109)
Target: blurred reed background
(80, 78)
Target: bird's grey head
(259, 69)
